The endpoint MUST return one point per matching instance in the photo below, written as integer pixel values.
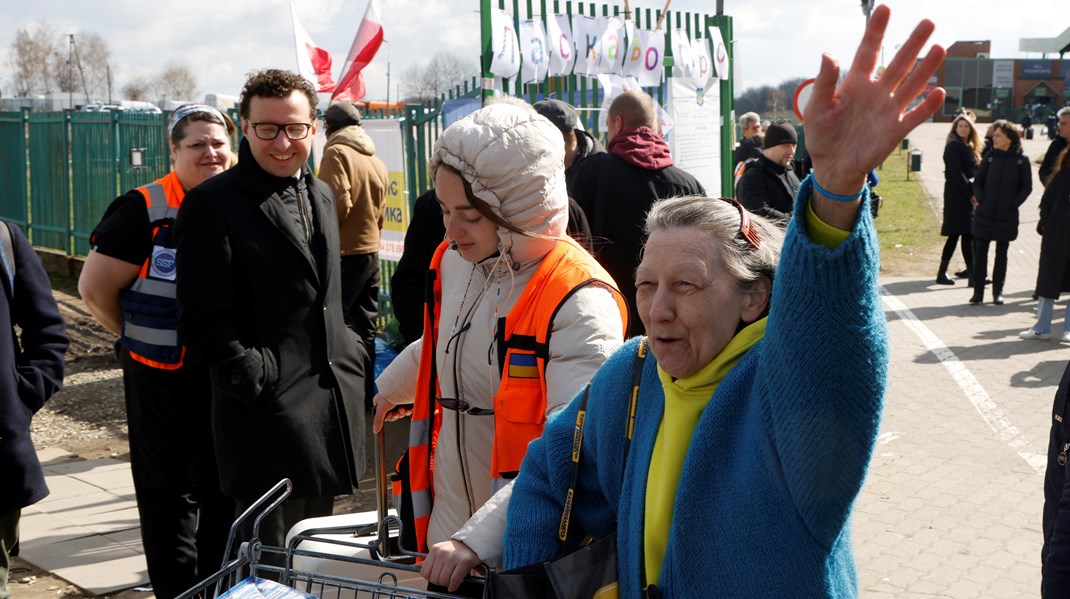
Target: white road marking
(971, 387)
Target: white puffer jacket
(514, 160)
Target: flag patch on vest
(523, 366)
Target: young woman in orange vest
(128, 284)
(517, 319)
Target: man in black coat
(31, 370)
(1057, 145)
(750, 125)
(409, 281)
(616, 189)
(768, 184)
(259, 288)
(1055, 552)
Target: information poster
(386, 133)
(696, 136)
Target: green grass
(908, 229)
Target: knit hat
(341, 114)
(780, 133)
(561, 114)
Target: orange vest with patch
(523, 346)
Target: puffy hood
(514, 159)
(354, 137)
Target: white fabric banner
(585, 32)
(702, 72)
(505, 60)
(533, 49)
(651, 58)
(682, 61)
(613, 48)
(720, 52)
(562, 48)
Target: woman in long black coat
(1002, 184)
(961, 156)
(1054, 227)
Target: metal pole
(380, 493)
(485, 46)
(387, 73)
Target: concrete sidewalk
(952, 505)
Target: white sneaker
(1032, 334)
(1066, 337)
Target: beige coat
(359, 181)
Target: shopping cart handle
(276, 495)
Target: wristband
(832, 196)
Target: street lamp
(385, 41)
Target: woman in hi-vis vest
(517, 319)
(128, 284)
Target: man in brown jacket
(359, 181)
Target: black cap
(780, 133)
(561, 114)
(341, 114)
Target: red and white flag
(369, 37)
(313, 62)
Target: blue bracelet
(828, 194)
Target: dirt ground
(88, 418)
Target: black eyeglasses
(463, 407)
(746, 228)
(269, 131)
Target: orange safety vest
(149, 309)
(523, 343)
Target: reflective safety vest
(523, 346)
(149, 309)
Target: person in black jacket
(1054, 228)
(768, 183)
(31, 370)
(616, 189)
(259, 289)
(1055, 552)
(961, 156)
(1057, 145)
(750, 127)
(1002, 184)
(407, 284)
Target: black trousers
(185, 518)
(967, 249)
(980, 265)
(360, 306)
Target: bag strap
(577, 436)
(7, 260)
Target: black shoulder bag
(591, 570)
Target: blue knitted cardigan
(777, 458)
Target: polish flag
(369, 37)
(313, 62)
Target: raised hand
(852, 127)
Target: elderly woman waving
(760, 400)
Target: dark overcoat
(1002, 184)
(32, 370)
(960, 166)
(263, 312)
(1055, 241)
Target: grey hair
(747, 265)
(748, 119)
(1065, 110)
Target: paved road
(952, 505)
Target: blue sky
(223, 41)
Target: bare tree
(777, 100)
(138, 88)
(175, 82)
(31, 59)
(95, 56)
(442, 73)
